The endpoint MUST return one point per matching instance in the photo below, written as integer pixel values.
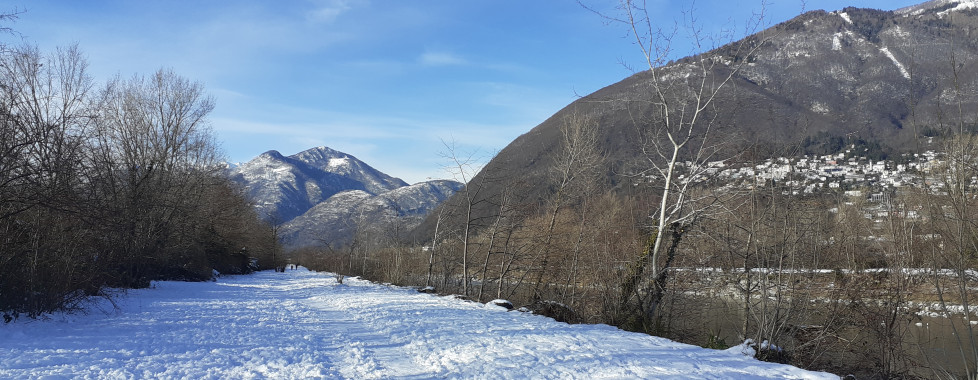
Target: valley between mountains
(796, 203)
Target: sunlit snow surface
(305, 325)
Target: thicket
(112, 185)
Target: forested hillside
(814, 84)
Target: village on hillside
(843, 172)
(873, 183)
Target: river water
(945, 343)
(932, 346)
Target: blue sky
(386, 81)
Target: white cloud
(328, 11)
(318, 131)
(430, 58)
(403, 147)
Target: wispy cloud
(328, 11)
(321, 131)
(433, 58)
(401, 146)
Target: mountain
(285, 187)
(321, 195)
(337, 220)
(818, 83)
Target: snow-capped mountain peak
(284, 187)
(319, 156)
(316, 192)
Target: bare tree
(109, 188)
(44, 115)
(948, 205)
(463, 170)
(433, 248)
(495, 229)
(576, 160)
(950, 202)
(679, 130)
(155, 155)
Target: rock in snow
(304, 325)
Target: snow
(820, 108)
(336, 163)
(845, 16)
(748, 348)
(501, 303)
(921, 8)
(962, 5)
(330, 219)
(303, 324)
(287, 187)
(903, 70)
(837, 41)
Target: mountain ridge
(285, 187)
(815, 83)
(934, 4)
(336, 221)
(313, 195)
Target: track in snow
(302, 325)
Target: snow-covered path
(304, 325)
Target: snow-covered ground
(305, 325)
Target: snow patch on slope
(962, 5)
(924, 7)
(845, 16)
(341, 162)
(820, 108)
(903, 70)
(336, 219)
(286, 187)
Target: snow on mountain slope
(301, 324)
(420, 198)
(336, 220)
(321, 195)
(820, 76)
(331, 222)
(336, 162)
(286, 187)
(950, 5)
